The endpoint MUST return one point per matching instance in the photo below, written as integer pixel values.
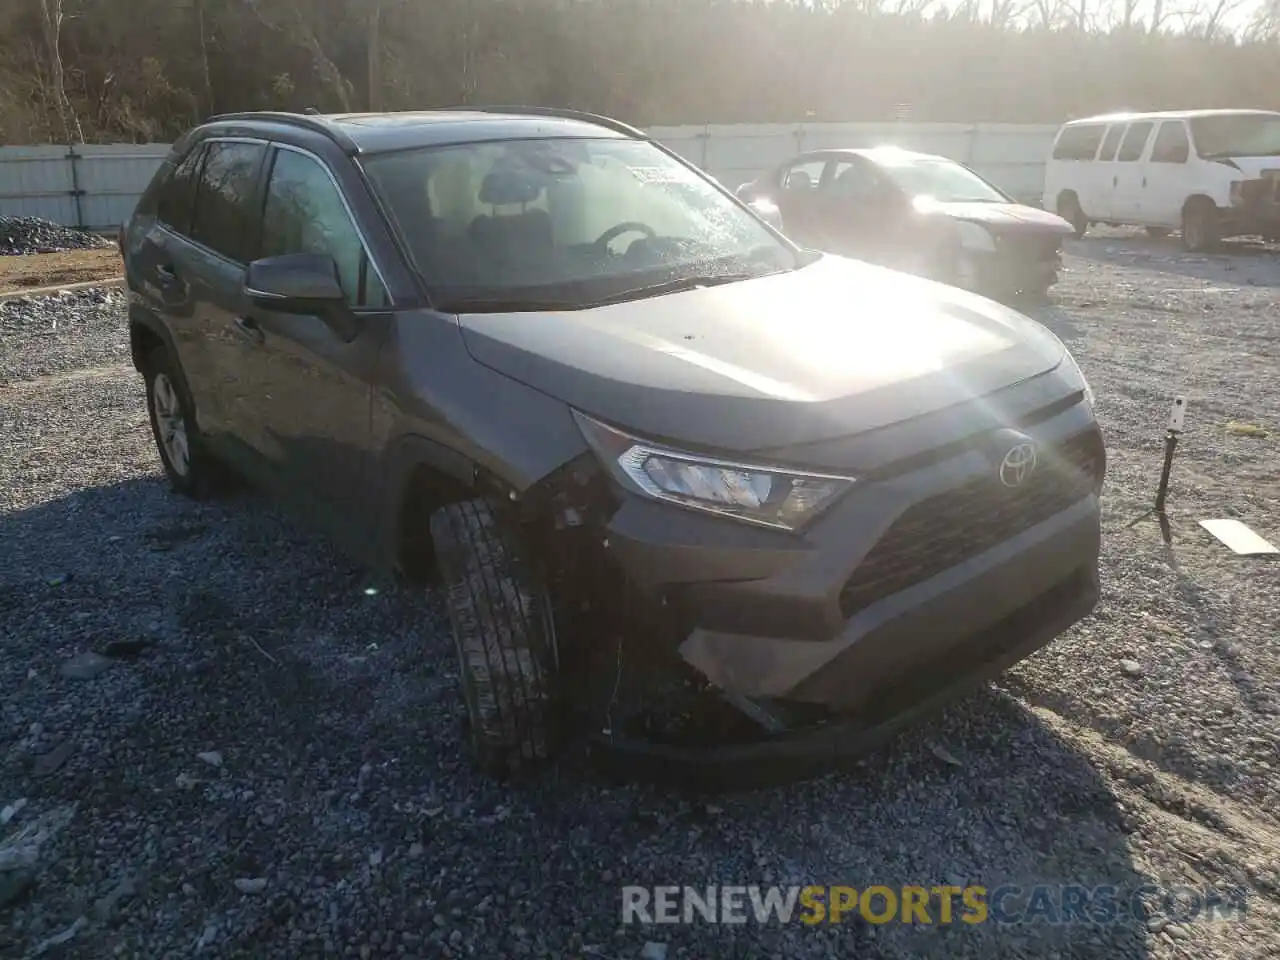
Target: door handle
(248, 327)
(1144, 181)
(168, 275)
(1115, 181)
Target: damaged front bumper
(1019, 266)
(819, 748)
(1255, 207)
(911, 591)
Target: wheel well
(426, 490)
(1198, 200)
(142, 340)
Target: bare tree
(289, 18)
(373, 49)
(51, 25)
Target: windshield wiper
(677, 285)
(507, 305)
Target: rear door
(858, 215)
(193, 259)
(798, 200)
(221, 238)
(1103, 179)
(1167, 176)
(1071, 166)
(1126, 191)
(311, 384)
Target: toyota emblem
(1018, 464)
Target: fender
(140, 317)
(403, 458)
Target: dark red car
(917, 212)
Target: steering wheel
(630, 226)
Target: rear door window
(1135, 139)
(853, 180)
(1111, 143)
(1172, 145)
(1079, 142)
(224, 198)
(173, 203)
(802, 176)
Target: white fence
(97, 187)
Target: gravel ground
(20, 236)
(270, 763)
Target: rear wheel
(1200, 228)
(504, 635)
(1069, 209)
(191, 469)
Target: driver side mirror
(301, 283)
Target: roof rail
(316, 122)
(617, 126)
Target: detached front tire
(1069, 209)
(504, 635)
(192, 471)
(1200, 227)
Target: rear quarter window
(1078, 142)
(175, 193)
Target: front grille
(949, 528)
(1030, 247)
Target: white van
(1208, 173)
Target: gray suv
(711, 503)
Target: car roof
(361, 133)
(873, 153)
(1167, 115)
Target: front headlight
(770, 496)
(975, 237)
(1069, 362)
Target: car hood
(1006, 215)
(1255, 166)
(832, 349)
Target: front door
(312, 382)
(1167, 179)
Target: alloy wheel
(170, 424)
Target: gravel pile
(21, 236)
(220, 738)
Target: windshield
(565, 222)
(1237, 135)
(943, 180)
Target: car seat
(512, 240)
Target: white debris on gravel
(1075, 774)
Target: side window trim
(1123, 128)
(253, 203)
(367, 259)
